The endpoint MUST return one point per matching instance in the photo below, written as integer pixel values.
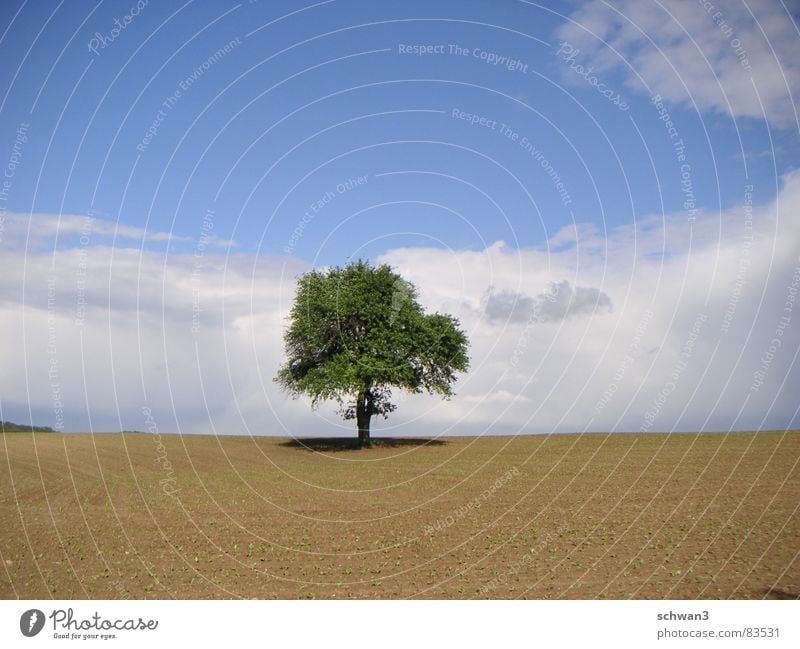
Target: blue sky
(307, 99)
(488, 150)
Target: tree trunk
(363, 415)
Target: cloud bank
(737, 58)
(660, 325)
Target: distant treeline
(10, 427)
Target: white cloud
(565, 367)
(738, 58)
(603, 370)
(35, 228)
(132, 328)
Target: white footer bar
(399, 624)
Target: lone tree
(358, 331)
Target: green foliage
(357, 331)
(9, 427)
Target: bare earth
(568, 516)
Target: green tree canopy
(356, 332)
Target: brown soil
(568, 516)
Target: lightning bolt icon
(32, 620)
